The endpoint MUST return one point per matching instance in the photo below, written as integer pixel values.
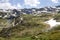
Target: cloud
(19, 6)
(32, 2)
(55, 1)
(4, 0)
(5, 4)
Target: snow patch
(52, 23)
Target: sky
(19, 4)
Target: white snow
(52, 23)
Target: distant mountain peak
(58, 6)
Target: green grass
(31, 27)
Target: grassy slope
(32, 27)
